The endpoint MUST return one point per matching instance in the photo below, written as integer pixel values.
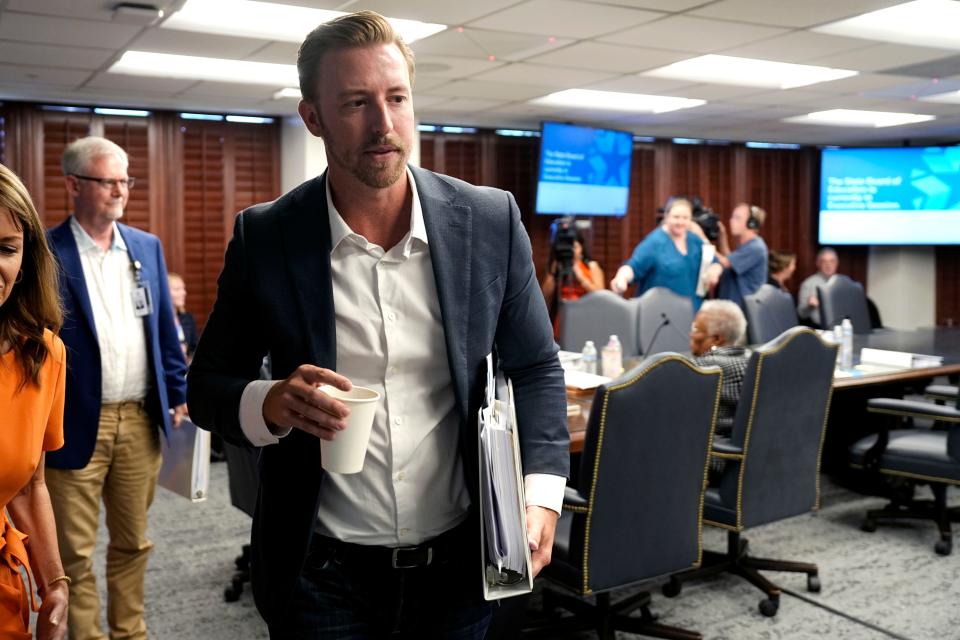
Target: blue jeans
(341, 597)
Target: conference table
(851, 388)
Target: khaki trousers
(123, 472)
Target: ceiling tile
(86, 9)
(452, 67)
(712, 92)
(132, 84)
(790, 14)
(697, 35)
(275, 53)
(609, 57)
(41, 75)
(421, 103)
(229, 90)
(654, 5)
(53, 56)
(442, 11)
(473, 42)
(881, 56)
(466, 105)
(188, 43)
(62, 31)
(642, 84)
(786, 96)
(493, 90)
(546, 76)
(866, 82)
(797, 47)
(565, 18)
(424, 84)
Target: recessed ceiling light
(858, 118)
(927, 23)
(616, 101)
(748, 72)
(951, 97)
(166, 65)
(272, 21)
(287, 92)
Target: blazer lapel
(449, 233)
(305, 230)
(69, 257)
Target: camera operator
(670, 256)
(571, 267)
(744, 270)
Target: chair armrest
(913, 409)
(574, 501)
(724, 448)
(944, 392)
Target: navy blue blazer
(275, 296)
(168, 386)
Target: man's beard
(378, 174)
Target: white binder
(186, 461)
(504, 550)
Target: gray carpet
(890, 578)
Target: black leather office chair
(664, 321)
(772, 458)
(636, 513)
(596, 316)
(769, 312)
(840, 298)
(918, 456)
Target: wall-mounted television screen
(895, 196)
(583, 171)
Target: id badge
(142, 302)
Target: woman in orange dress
(32, 377)
(585, 276)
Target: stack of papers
(902, 359)
(583, 381)
(506, 539)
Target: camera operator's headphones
(754, 219)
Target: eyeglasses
(109, 183)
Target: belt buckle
(394, 562)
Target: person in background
(383, 275)
(781, 265)
(744, 269)
(126, 381)
(668, 257)
(808, 303)
(187, 331)
(33, 366)
(717, 337)
(586, 276)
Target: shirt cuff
(251, 414)
(544, 490)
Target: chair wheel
(943, 547)
(813, 584)
(671, 588)
(869, 525)
(769, 606)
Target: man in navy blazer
(125, 384)
(387, 276)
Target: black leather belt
(439, 550)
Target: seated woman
(668, 257)
(585, 276)
(715, 339)
(781, 265)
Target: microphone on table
(664, 321)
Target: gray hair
(827, 251)
(79, 153)
(725, 319)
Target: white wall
(902, 282)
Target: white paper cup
(346, 452)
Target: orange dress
(31, 422)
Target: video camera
(562, 235)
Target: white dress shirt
(390, 338)
(120, 334)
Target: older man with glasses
(125, 382)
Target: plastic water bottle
(846, 344)
(612, 358)
(588, 358)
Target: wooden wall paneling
(463, 158)
(166, 179)
(132, 134)
(948, 286)
(59, 130)
(23, 147)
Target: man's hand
(178, 413)
(541, 526)
(813, 301)
(296, 402)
